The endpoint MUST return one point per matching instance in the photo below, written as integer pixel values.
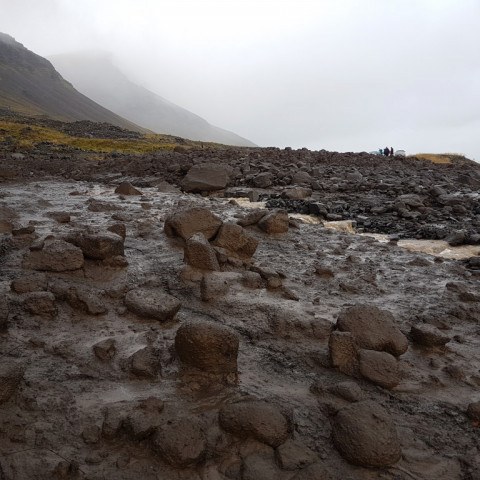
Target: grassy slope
(443, 158)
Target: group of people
(386, 151)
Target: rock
(258, 419)
(343, 352)
(293, 455)
(297, 193)
(91, 434)
(56, 256)
(11, 374)
(349, 391)
(455, 238)
(373, 329)
(428, 335)
(365, 435)
(4, 311)
(34, 282)
(263, 180)
(271, 276)
(473, 411)
(300, 178)
(234, 238)
(105, 350)
(206, 177)
(146, 363)
(275, 222)
(186, 223)
(380, 368)
(119, 229)
(79, 297)
(143, 422)
(260, 466)
(252, 280)
(324, 272)
(165, 187)
(214, 285)
(40, 303)
(251, 218)
(207, 346)
(112, 423)
(181, 442)
(23, 231)
(152, 303)
(200, 254)
(314, 472)
(98, 246)
(126, 188)
(412, 200)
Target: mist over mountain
(95, 75)
(29, 84)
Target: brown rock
(126, 188)
(200, 254)
(152, 303)
(206, 177)
(365, 435)
(473, 411)
(40, 303)
(34, 282)
(428, 335)
(349, 391)
(260, 466)
(343, 352)
(11, 374)
(207, 346)
(105, 350)
(234, 238)
(79, 297)
(56, 256)
(293, 455)
(186, 223)
(315, 472)
(98, 246)
(142, 422)
(214, 285)
(146, 363)
(297, 193)
(4, 311)
(380, 368)
(275, 222)
(261, 420)
(373, 329)
(251, 218)
(91, 434)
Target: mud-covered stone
(349, 391)
(146, 363)
(343, 352)
(214, 285)
(11, 374)
(113, 422)
(206, 177)
(234, 238)
(152, 303)
(143, 422)
(79, 297)
(251, 218)
(188, 222)
(207, 346)
(364, 434)
(4, 311)
(428, 335)
(200, 254)
(181, 442)
(293, 455)
(98, 246)
(105, 350)
(40, 303)
(315, 472)
(126, 188)
(258, 419)
(473, 411)
(380, 368)
(260, 465)
(34, 282)
(55, 256)
(91, 434)
(275, 222)
(373, 329)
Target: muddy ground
(77, 403)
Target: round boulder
(207, 346)
(258, 419)
(152, 303)
(365, 435)
(373, 329)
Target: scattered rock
(365, 435)
(234, 238)
(152, 303)
(146, 363)
(206, 177)
(142, 422)
(343, 352)
(126, 188)
(11, 374)
(428, 335)
(40, 303)
(473, 411)
(186, 223)
(214, 285)
(98, 246)
(91, 434)
(207, 346)
(260, 465)
(105, 350)
(293, 455)
(380, 368)
(275, 222)
(56, 256)
(263, 180)
(349, 391)
(4, 311)
(34, 282)
(200, 254)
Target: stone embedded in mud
(11, 374)
(105, 350)
(206, 177)
(251, 218)
(113, 421)
(301, 178)
(40, 303)
(142, 423)
(186, 223)
(152, 303)
(349, 391)
(4, 311)
(260, 466)
(293, 455)
(314, 472)
(343, 352)
(98, 246)
(214, 285)
(181, 442)
(373, 329)
(380, 368)
(119, 229)
(297, 193)
(146, 363)
(473, 411)
(91, 434)
(33, 282)
(200, 254)
(364, 434)
(207, 346)
(258, 419)
(126, 188)
(271, 276)
(235, 239)
(79, 297)
(55, 256)
(252, 280)
(428, 335)
(263, 180)
(275, 222)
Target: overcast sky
(346, 75)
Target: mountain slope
(30, 85)
(98, 78)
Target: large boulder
(186, 223)
(152, 303)
(207, 346)
(206, 177)
(257, 419)
(235, 239)
(200, 254)
(55, 256)
(365, 435)
(98, 246)
(275, 222)
(373, 329)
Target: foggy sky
(345, 75)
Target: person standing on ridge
(391, 151)
(380, 151)
(386, 151)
